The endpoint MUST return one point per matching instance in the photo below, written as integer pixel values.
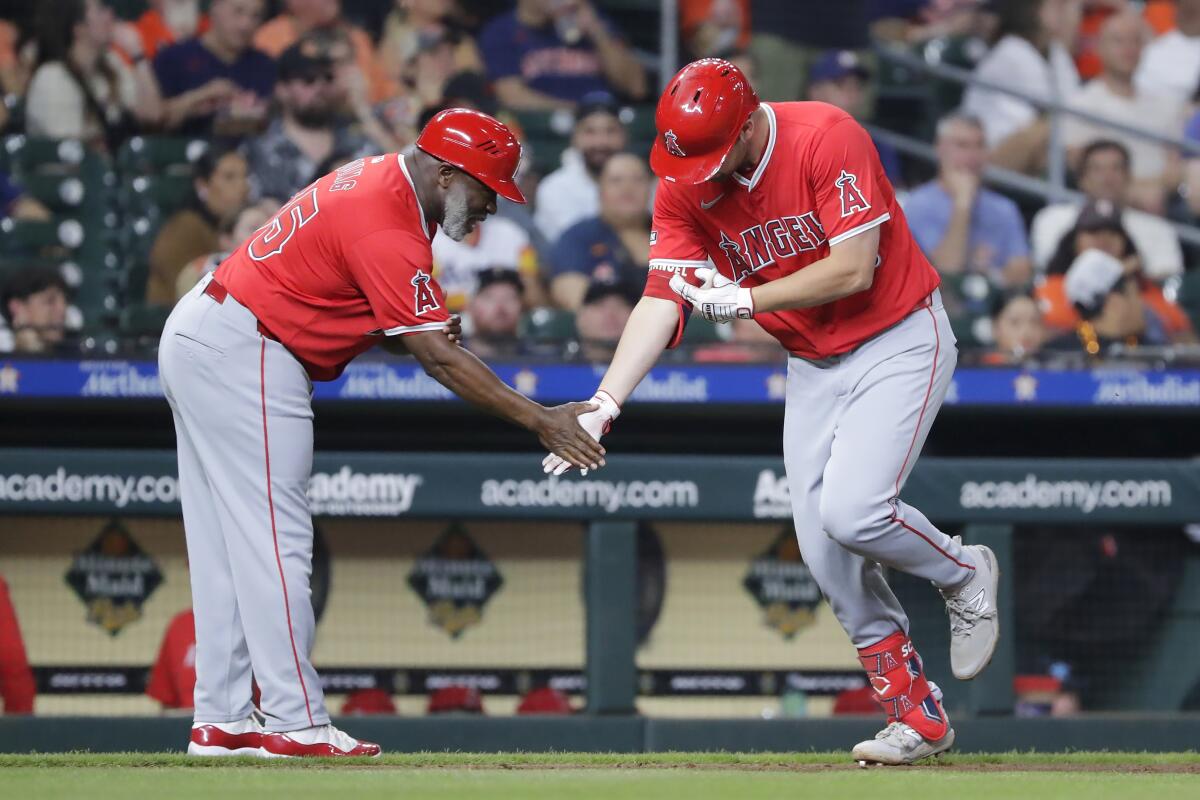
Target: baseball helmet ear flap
(699, 117)
(479, 145)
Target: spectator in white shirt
(1113, 95)
(570, 193)
(81, 88)
(1032, 57)
(1104, 175)
(496, 243)
(1171, 63)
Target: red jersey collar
(766, 158)
(417, 197)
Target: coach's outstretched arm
(650, 328)
(461, 372)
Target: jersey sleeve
(845, 175)
(674, 247)
(388, 268)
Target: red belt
(218, 293)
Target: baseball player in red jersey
(344, 265)
(781, 212)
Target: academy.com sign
(60, 486)
(345, 492)
(608, 496)
(1085, 496)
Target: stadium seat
(160, 195)
(700, 331)
(142, 320)
(29, 154)
(153, 155)
(1188, 296)
(548, 323)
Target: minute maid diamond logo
(113, 577)
(455, 579)
(783, 587)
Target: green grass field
(688, 776)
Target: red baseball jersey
(345, 261)
(819, 183)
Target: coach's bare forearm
(848, 269)
(463, 373)
(647, 333)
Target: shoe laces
(964, 616)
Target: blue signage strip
(750, 383)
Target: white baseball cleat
(974, 616)
(241, 738)
(898, 744)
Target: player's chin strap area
(896, 674)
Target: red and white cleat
(323, 741)
(242, 738)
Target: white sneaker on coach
(241, 738)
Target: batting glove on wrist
(718, 299)
(596, 423)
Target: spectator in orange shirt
(166, 22)
(305, 16)
(173, 676)
(16, 678)
(1099, 228)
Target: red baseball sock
(896, 675)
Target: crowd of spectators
(283, 91)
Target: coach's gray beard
(456, 221)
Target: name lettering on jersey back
(344, 178)
(762, 245)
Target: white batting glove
(718, 298)
(596, 423)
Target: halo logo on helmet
(699, 117)
(672, 143)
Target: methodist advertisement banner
(496, 486)
(370, 380)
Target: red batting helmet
(479, 145)
(699, 116)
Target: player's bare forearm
(647, 333)
(848, 269)
(463, 373)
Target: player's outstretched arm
(461, 372)
(649, 330)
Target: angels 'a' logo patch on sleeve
(424, 298)
(852, 197)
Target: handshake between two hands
(717, 298)
(596, 423)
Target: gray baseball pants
(853, 428)
(243, 421)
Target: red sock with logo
(896, 675)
